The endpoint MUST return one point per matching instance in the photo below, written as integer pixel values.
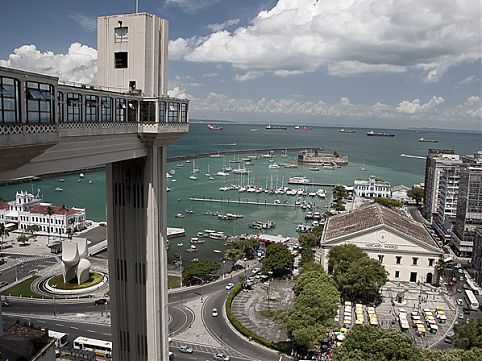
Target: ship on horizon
(214, 127)
(380, 134)
(343, 130)
(276, 127)
(423, 140)
(297, 127)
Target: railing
(105, 125)
(10, 129)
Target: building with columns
(402, 245)
(124, 122)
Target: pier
(315, 184)
(256, 202)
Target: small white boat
(81, 175)
(58, 189)
(193, 177)
(211, 178)
(314, 169)
(61, 179)
(172, 171)
(222, 174)
(179, 215)
(180, 244)
(168, 175)
(217, 251)
(91, 181)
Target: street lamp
(180, 267)
(55, 304)
(202, 284)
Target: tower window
(121, 60)
(121, 34)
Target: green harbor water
(380, 155)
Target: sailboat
(208, 173)
(363, 168)
(193, 173)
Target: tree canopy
(313, 310)
(242, 248)
(389, 202)
(278, 260)
(417, 194)
(468, 335)
(203, 270)
(358, 276)
(308, 240)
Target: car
(460, 270)
(6, 303)
(458, 265)
(229, 286)
(184, 349)
(103, 224)
(100, 301)
(221, 356)
(465, 286)
(171, 355)
(454, 279)
(466, 311)
(447, 340)
(215, 312)
(451, 333)
(461, 278)
(460, 302)
(459, 290)
(256, 270)
(3, 284)
(461, 316)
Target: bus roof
(93, 341)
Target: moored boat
(380, 134)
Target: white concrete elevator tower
(132, 53)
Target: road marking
(40, 321)
(90, 331)
(107, 334)
(75, 328)
(58, 324)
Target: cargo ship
(214, 127)
(380, 134)
(276, 127)
(346, 131)
(423, 140)
(303, 128)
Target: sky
(346, 63)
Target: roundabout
(55, 285)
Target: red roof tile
(4, 205)
(42, 209)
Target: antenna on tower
(137, 6)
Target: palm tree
(32, 229)
(439, 268)
(49, 211)
(70, 229)
(3, 232)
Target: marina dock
(315, 184)
(232, 151)
(257, 202)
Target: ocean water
(380, 155)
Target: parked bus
(471, 300)
(475, 289)
(100, 347)
(60, 338)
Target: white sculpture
(75, 262)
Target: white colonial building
(403, 246)
(28, 209)
(372, 187)
(400, 193)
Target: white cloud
(87, 22)
(347, 37)
(472, 100)
(415, 106)
(221, 26)
(248, 76)
(78, 65)
(191, 6)
(177, 92)
(469, 80)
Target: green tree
(49, 211)
(242, 248)
(361, 279)
(439, 269)
(242, 279)
(468, 335)
(308, 240)
(278, 260)
(307, 256)
(70, 230)
(343, 254)
(389, 202)
(32, 229)
(339, 192)
(22, 239)
(371, 343)
(313, 310)
(417, 194)
(3, 233)
(197, 271)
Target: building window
(60, 107)
(121, 34)
(91, 108)
(9, 100)
(183, 113)
(148, 112)
(173, 112)
(414, 261)
(397, 274)
(399, 259)
(162, 112)
(430, 262)
(120, 110)
(74, 107)
(40, 101)
(120, 60)
(106, 110)
(380, 258)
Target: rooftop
(372, 216)
(4, 205)
(42, 209)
